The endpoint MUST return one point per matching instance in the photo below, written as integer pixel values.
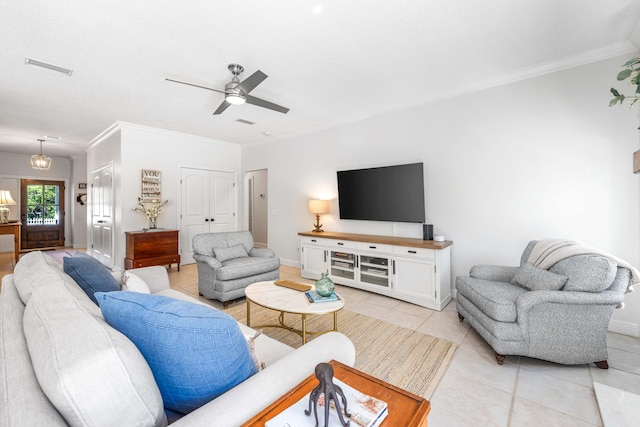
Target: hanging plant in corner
(631, 71)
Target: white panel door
(207, 205)
(102, 215)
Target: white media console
(413, 270)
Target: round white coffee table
(291, 301)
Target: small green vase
(325, 286)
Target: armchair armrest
(262, 253)
(528, 300)
(207, 259)
(497, 273)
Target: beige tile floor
(475, 390)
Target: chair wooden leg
(460, 317)
(500, 358)
(602, 364)
(200, 293)
(225, 304)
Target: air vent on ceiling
(246, 122)
(31, 61)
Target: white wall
(133, 148)
(544, 157)
(15, 166)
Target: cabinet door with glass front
(374, 270)
(342, 266)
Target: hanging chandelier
(40, 161)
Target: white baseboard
(624, 328)
(290, 262)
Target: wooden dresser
(153, 247)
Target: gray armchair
(559, 314)
(227, 263)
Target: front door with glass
(42, 213)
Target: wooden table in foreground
(405, 409)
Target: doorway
(207, 205)
(258, 206)
(102, 215)
(42, 213)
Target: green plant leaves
(624, 74)
(632, 72)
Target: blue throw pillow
(90, 274)
(195, 352)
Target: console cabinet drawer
(414, 252)
(147, 248)
(374, 247)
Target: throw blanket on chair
(547, 252)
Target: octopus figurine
(324, 374)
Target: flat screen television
(390, 193)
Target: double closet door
(208, 204)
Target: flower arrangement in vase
(152, 212)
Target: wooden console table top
(388, 240)
(405, 409)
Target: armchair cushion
(586, 273)
(496, 299)
(233, 252)
(262, 253)
(244, 267)
(537, 279)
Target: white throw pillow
(134, 283)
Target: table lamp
(317, 207)
(5, 199)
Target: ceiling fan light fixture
(40, 161)
(235, 98)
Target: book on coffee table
(365, 410)
(313, 297)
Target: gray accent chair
(560, 315)
(227, 263)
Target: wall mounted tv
(390, 193)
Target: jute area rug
(408, 359)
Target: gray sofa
(227, 263)
(559, 314)
(62, 364)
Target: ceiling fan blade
(195, 85)
(250, 83)
(266, 104)
(222, 107)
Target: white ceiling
(330, 62)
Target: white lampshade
(5, 199)
(317, 206)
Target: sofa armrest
(262, 253)
(155, 277)
(498, 273)
(207, 259)
(256, 393)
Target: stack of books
(314, 297)
(365, 410)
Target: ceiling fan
(237, 92)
